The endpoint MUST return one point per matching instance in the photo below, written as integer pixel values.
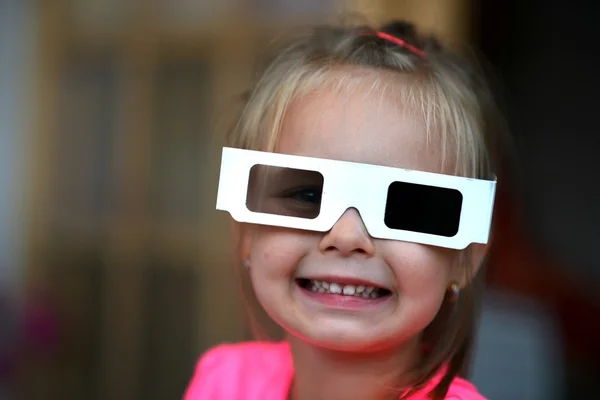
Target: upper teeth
(348, 290)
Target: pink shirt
(264, 371)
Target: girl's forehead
(357, 123)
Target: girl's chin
(345, 342)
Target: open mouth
(366, 292)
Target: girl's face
(351, 125)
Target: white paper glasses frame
(349, 182)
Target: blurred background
(115, 270)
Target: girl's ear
(478, 253)
(473, 258)
(242, 237)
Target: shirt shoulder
(461, 389)
(249, 371)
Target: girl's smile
(343, 291)
(344, 297)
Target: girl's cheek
(416, 266)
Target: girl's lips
(342, 301)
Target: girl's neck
(331, 375)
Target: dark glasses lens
(284, 191)
(423, 209)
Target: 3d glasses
(396, 204)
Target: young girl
(360, 179)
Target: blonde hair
(456, 103)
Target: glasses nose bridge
(356, 197)
(356, 187)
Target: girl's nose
(348, 236)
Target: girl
(361, 183)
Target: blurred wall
(15, 47)
(543, 52)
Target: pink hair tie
(400, 43)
